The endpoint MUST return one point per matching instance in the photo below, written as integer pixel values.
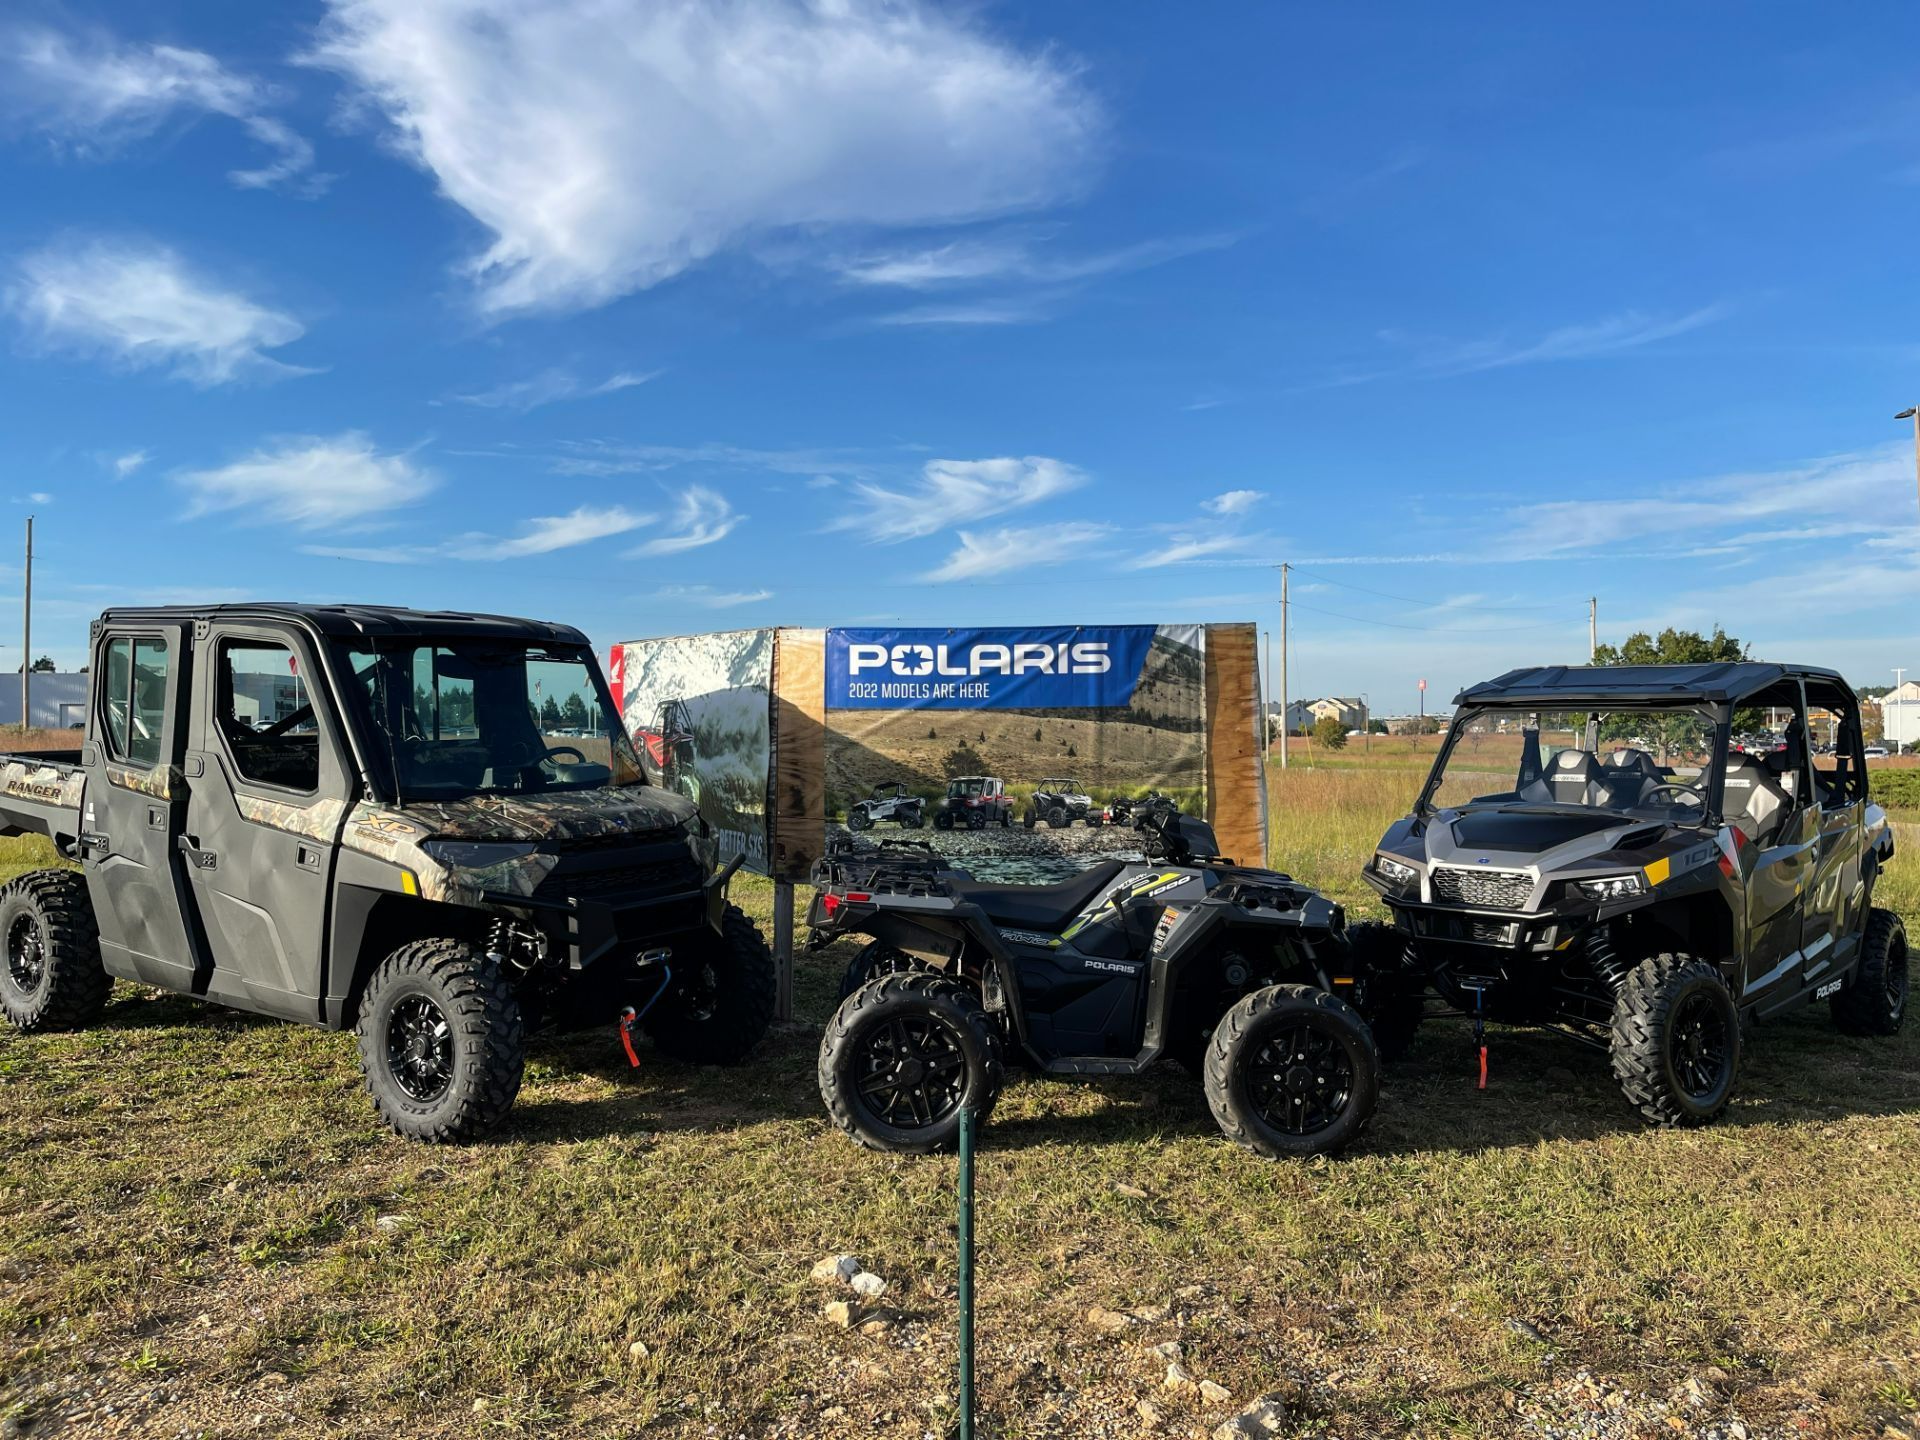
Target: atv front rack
(906, 867)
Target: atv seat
(1569, 780)
(1754, 799)
(1048, 908)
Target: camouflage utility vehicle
(350, 817)
(1597, 850)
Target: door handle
(308, 856)
(156, 817)
(200, 859)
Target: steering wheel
(555, 751)
(1686, 792)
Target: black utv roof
(1722, 683)
(353, 621)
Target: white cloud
(311, 482)
(708, 597)
(1016, 548)
(95, 94)
(547, 533)
(125, 465)
(700, 517)
(550, 386)
(1234, 502)
(1184, 548)
(954, 492)
(984, 312)
(611, 144)
(143, 306)
(1012, 257)
(369, 554)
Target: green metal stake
(967, 1123)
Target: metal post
(968, 1120)
(1285, 723)
(26, 640)
(782, 950)
(1593, 629)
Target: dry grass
(192, 1207)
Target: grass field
(204, 1233)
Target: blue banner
(1064, 667)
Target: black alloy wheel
(912, 1072)
(420, 1049)
(1301, 1080)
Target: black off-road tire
(1235, 1085)
(1656, 1059)
(943, 820)
(909, 1004)
(914, 818)
(859, 819)
(720, 1000)
(1058, 819)
(1874, 1001)
(57, 982)
(1394, 993)
(1032, 819)
(484, 1039)
(877, 958)
(1095, 819)
(976, 819)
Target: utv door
(134, 801)
(1836, 900)
(269, 796)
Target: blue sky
(669, 318)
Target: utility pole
(1593, 629)
(1285, 726)
(1266, 696)
(26, 640)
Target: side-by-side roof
(1565, 685)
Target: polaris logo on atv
(1110, 965)
(1064, 667)
(1832, 987)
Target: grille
(1489, 889)
(641, 882)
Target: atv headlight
(475, 854)
(1396, 873)
(1614, 887)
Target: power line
(1434, 629)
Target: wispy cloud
(547, 533)
(125, 465)
(311, 482)
(1025, 311)
(1234, 502)
(950, 493)
(1023, 548)
(143, 306)
(610, 147)
(1020, 257)
(709, 598)
(1184, 549)
(700, 517)
(93, 94)
(1611, 335)
(549, 387)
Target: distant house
(1300, 716)
(1900, 713)
(1351, 714)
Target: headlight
(1614, 887)
(475, 854)
(1395, 872)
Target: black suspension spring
(1603, 959)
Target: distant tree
(574, 712)
(1072, 754)
(963, 759)
(1377, 727)
(932, 734)
(1038, 735)
(1672, 647)
(44, 665)
(1328, 731)
(550, 714)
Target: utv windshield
(454, 717)
(961, 789)
(1652, 763)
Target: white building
(1900, 714)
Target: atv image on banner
(890, 801)
(1060, 802)
(1649, 886)
(1244, 976)
(974, 802)
(350, 817)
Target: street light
(1912, 412)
